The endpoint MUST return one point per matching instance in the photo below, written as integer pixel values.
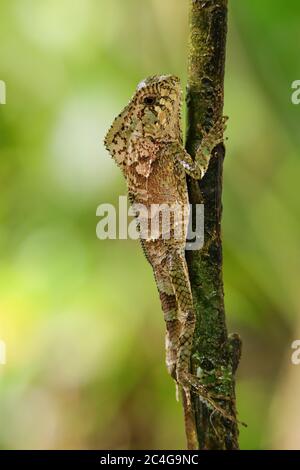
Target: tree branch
(215, 356)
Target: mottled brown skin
(146, 142)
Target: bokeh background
(81, 317)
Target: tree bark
(215, 355)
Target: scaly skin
(146, 142)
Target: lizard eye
(149, 100)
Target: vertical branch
(215, 357)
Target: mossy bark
(215, 356)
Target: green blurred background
(81, 317)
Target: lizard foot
(215, 135)
(190, 382)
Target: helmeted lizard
(145, 140)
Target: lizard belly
(162, 215)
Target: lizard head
(155, 107)
(153, 111)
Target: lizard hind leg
(182, 289)
(188, 382)
(173, 325)
(155, 253)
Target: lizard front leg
(198, 167)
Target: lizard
(145, 140)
